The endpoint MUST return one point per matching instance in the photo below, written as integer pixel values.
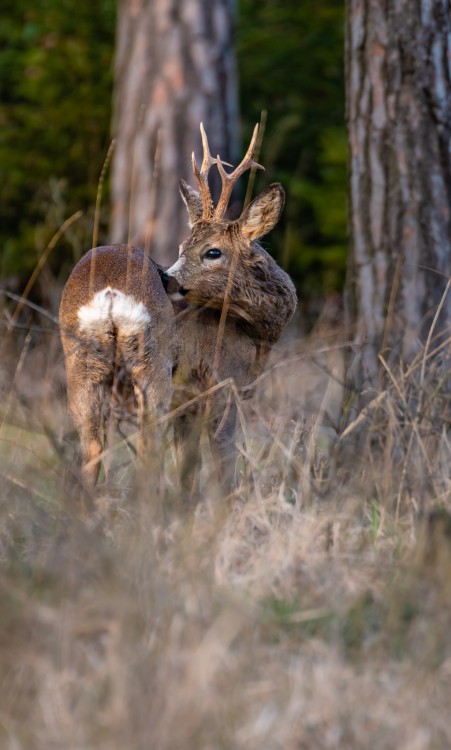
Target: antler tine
(208, 160)
(202, 176)
(229, 180)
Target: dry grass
(311, 611)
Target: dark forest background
(56, 87)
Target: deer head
(220, 254)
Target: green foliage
(55, 88)
(290, 57)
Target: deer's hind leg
(85, 407)
(87, 373)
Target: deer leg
(153, 391)
(187, 435)
(85, 402)
(150, 434)
(221, 433)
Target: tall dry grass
(312, 610)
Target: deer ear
(263, 213)
(192, 202)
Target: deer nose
(170, 283)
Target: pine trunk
(399, 119)
(175, 68)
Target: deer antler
(202, 176)
(229, 180)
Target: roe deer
(235, 301)
(116, 324)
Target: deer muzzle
(172, 286)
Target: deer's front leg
(187, 436)
(221, 432)
(153, 390)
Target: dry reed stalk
(133, 177)
(366, 411)
(43, 258)
(106, 163)
(95, 230)
(258, 145)
(150, 223)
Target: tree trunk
(175, 67)
(399, 119)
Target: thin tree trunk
(175, 67)
(399, 119)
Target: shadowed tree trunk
(175, 67)
(399, 119)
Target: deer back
(114, 288)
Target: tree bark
(175, 67)
(399, 119)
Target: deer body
(194, 373)
(116, 324)
(241, 356)
(232, 302)
(237, 302)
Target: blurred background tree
(174, 68)
(56, 84)
(399, 124)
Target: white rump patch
(110, 307)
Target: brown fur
(94, 359)
(261, 300)
(231, 309)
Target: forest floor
(311, 610)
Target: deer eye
(213, 253)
